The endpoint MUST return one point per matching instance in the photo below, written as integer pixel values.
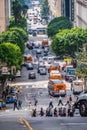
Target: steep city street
(45, 91)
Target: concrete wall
(55, 7)
(81, 13)
(4, 15)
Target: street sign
(81, 66)
(4, 70)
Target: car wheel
(83, 108)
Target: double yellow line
(23, 121)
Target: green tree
(45, 10)
(22, 23)
(69, 41)
(10, 55)
(13, 37)
(16, 8)
(22, 33)
(57, 24)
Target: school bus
(55, 74)
(56, 88)
(54, 66)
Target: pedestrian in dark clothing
(55, 112)
(48, 112)
(51, 104)
(33, 112)
(35, 101)
(71, 113)
(60, 111)
(70, 99)
(19, 104)
(60, 101)
(41, 112)
(15, 104)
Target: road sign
(81, 66)
(4, 70)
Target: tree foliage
(10, 54)
(14, 37)
(69, 41)
(16, 8)
(45, 10)
(22, 33)
(19, 10)
(58, 24)
(22, 23)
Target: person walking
(35, 102)
(15, 104)
(55, 112)
(19, 104)
(33, 112)
(67, 100)
(50, 104)
(41, 112)
(60, 101)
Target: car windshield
(29, 64)
(57, 81)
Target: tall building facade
(55, 8)
(81, 13)
(67, 9)
(4, 15)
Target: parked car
(29, 66)
(32, 75)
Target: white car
(42, 71)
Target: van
(56, 87)
(77, 86)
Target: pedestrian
(63, 112)
(51, 104)
(41, 112)
(60, 111)
(70, 99)
(19, 104)
(35, 102)
(29, 101)
(67, 100)
(71, 113)
(34, 112)
(55, 112)
(15, 104)
(60, 101)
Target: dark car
(69, 77)
(32, 75)
(29, 46)
(29, 66)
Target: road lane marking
(27, 124)
(73, 123)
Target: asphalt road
(12, 124)
(58, 123)
(44, 123)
